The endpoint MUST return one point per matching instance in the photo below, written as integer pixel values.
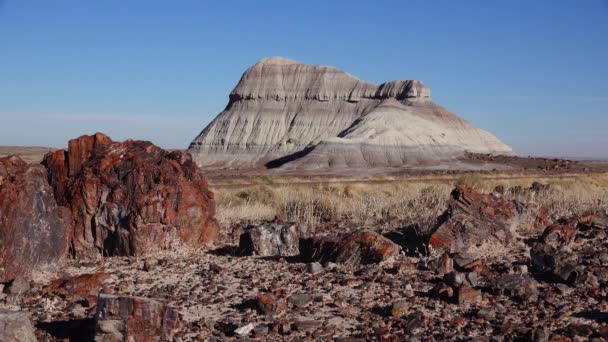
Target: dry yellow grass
(412, 201)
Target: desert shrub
(471, 180)
(418, 201)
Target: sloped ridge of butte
(299, 116)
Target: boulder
(356, 248)
(473, 218)
(125, 318)
(33, 228)
(130, 198)
(15, 326)
(272, 239)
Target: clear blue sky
(535, 73)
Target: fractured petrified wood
(130, 198)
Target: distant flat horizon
(3, 149)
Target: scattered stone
(244, 330)
(314, 267)
(471, 278)
(562, 288)
(125, 318)
(461, 260)
(300, 299)
(260, 330)
(521, 269)
(359, 247)
(517, 286)
(269, 303)
(273, 239)
(307, 325)
(217, 269)
(467, 294)
(399, 308)
(329, 266)
(486, 313)
(15, 326)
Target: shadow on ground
(74, 330)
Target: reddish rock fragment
(130, 198)
(473, 218)
(564, 232)
(124, 318)
(85, 286)
(269, 303)
(467, 294)
(559, 234)
(360, 247)
(33, 229)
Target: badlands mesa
(291, 115)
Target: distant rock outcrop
(285, 113)
(33, 228)
(130, 198)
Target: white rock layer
(302, 116)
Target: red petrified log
(360, 247)
(124, 318)
(130, 198)
(474, 218)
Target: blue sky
(534, 73)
